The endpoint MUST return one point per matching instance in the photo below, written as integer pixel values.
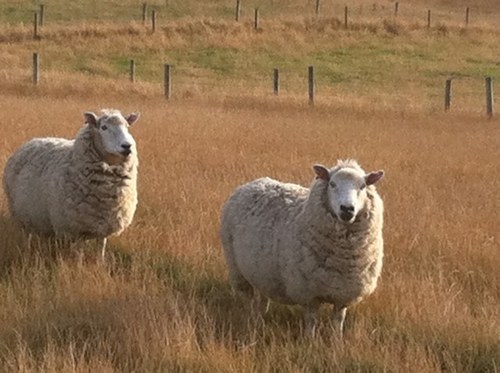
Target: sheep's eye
(332, 184)
(104, 127)
(362, 187)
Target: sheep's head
(114, 140)
(347, 188)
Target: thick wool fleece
(63, 187)
(282, 240)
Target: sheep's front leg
(310, 319)
(338, 320)
(101, 242)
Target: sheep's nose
(126, 149)
(347, 209)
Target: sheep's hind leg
(310, 319)
(101, 242)
(30, 240)
(259, 303)
(338, 320)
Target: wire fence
(458, 91)
(158, 12)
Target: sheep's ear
(132, 118)
(90, 118)
(373, 177)
(321, 172)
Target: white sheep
(76, 189)
(307, 246)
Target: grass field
(162, 302)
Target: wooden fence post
(35, 26)
(310, 79)
(238, 10)
(346, 17)
(429, 19)
(42, 14)
(276, 81)
(489, 96)
(144, 12)
(467, 12)
(153, 20)
(396, 9)
(132, 71)
(256, 19)
(317, 9)
(447, 95)
(36, 68)
(167, 80)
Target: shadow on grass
(230, 313)
(16, 250)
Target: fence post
(447, 95)
(310, 78)
(153, 20)
(35, 26)
(317, 8)
(467, 11)
(489, 96)
(346, 15)
(42, 14)
(144, 12)
(36, 67)
(256, 19)
(238, 10)
(429, 19)
(396, 9)
(167, 80)
(132, 71)
(276, 81)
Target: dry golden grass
(162, 301)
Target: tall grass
(163, 303)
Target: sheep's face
(115, 139)
(347, 189)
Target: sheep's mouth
(115, 158)
(347, 217)
(126, 153)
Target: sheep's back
(26, 177)
(255, 220)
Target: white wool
(284, 241)
(69, 188)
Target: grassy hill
(162, 301)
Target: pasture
(162, 301)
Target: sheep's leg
(101, 242)
(310, 319)
(236, 279)
(259, 303)
(338, 320)
(30, 239)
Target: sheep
(307, 246)
(76, 189)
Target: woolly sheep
(77, 189)
(307, 246)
